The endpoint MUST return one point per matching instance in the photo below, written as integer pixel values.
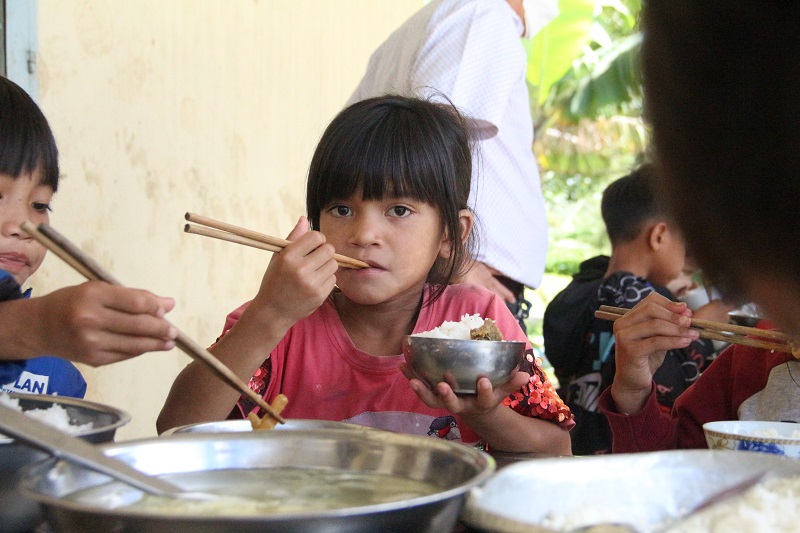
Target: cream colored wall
(213, 106)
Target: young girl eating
(388, 185)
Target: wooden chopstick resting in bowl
(239, 235)
(85, 265)
(779, 342)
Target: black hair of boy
(26, 140)
(629, 203)
(398, 146)
(721, 86)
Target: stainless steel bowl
(18, 512)
(461, 362)
(244, 426)
(453, 468)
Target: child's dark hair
(398, 146)
(630, 202)
(721, 92)
(26, 140)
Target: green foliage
(577, 231)
(552, 51)
(587, 102)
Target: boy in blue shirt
(93, 323)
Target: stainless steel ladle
(64, 446)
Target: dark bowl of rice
(94, 422)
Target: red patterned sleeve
(538, 399)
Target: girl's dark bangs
(383, 161)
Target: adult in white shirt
(470, 51)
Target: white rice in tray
(454, 330)
(772, 433)
(768, 507)
(55, 415)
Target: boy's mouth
(13, 260)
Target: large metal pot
(453, 468)
(18, 512)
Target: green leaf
(614, 80)
(552, 51)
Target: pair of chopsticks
(236, 234)
(85, 265)
(718, 331)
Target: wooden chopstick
(231, 233)
(230, 237)
(720, 331)
(76, 258)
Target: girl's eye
(339, 210)
(399, 211)
(40, 207)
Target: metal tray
(453, 468)
(645, 490)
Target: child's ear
(657, 236)
(465, 221)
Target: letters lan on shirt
(30, 383)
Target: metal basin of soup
(326, 480)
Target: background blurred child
(388, 184)
(93, 323)
(724, 112)
(647, 253)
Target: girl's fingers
(519, 380)
(447, 398)
(300, 229)
(423, 392)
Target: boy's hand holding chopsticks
(85, 265)
(643, 336)
(99, 324)
(719, 331)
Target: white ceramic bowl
(698, 297)
(779, 438)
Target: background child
(388, 184)
(647, 253)
(93, 323)
(728, 164)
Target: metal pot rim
(484, 466)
